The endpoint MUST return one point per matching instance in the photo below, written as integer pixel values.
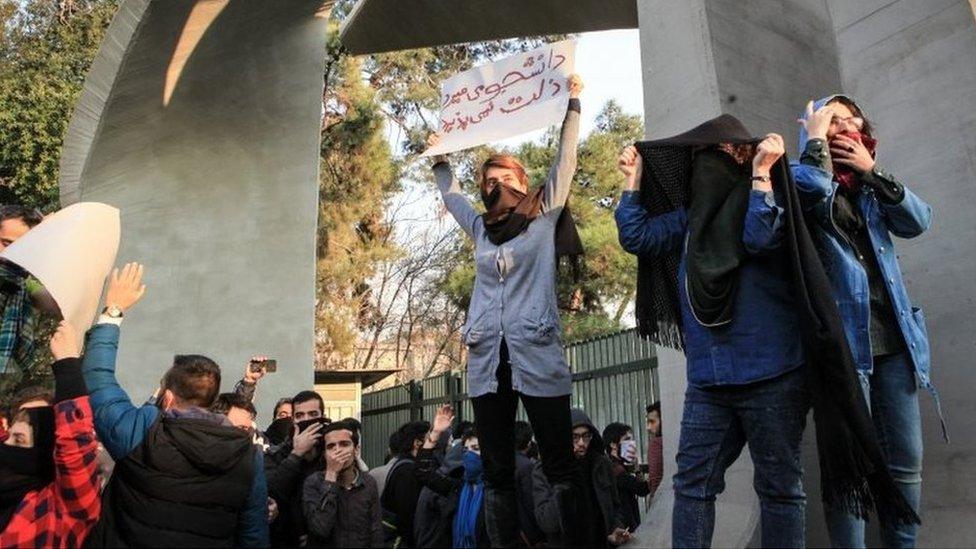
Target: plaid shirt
(62, 513)
(16, 326)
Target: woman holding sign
(513, 331)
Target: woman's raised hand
(575, 84)
(433, 140)
(817, 122)
(629, 162)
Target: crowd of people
(779, 283)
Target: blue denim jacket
(907, 219)
(121, 427)
(763, 339)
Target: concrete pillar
(702, 58)
(213, 162)
(912, 67)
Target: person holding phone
(512, 331)
(621, 446)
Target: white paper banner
(513, 96)
(71, 252)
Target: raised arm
(120, 425)
(560, 179)
(639, 232)
(454, 200)
(76, 481)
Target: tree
(46, 49)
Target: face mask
(844, 176)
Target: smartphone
(628, 448)
(270, 365)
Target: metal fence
(614, 379)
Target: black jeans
(494, 418)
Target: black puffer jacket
(184, 486)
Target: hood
(453, 459)
(802, 143)
(207, 443)
(579, 417)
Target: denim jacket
(514, 294)
(763, 339)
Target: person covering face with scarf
(49, 478)
(512, 331)
(701, 213)
(856, 206)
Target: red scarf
(846, 177)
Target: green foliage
(46, 49)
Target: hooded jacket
(907, 218)
(150, 499)
(604, 487)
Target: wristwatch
(112, 311)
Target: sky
(608, 62)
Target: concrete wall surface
(213, 162)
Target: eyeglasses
(855, 121)
(585, 437)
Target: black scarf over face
(24, 470)
(853, 470)
(509, 212)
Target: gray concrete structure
(912, 66)
(202, 127)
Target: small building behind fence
(614, 379)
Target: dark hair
(347, 424)
(194, 380)
(306, 396)
(654, 407)
(462, 428)
(614, 432)
(226, 401)
(27, 394)
(281, 402)
(407, 434)
(352, 422)
(868, 128)
(30, 216)
(523, 435)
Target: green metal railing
(614, 379)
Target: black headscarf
(509, 212)
(853, 470)
(24, 470)
(666, 185)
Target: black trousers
(494, 417)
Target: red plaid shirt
(62, 513)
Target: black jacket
(603, 485)
(528, 526)
(286, 474)
(629, 488)
(184, 486)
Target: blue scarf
(469, 504)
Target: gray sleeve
(561, 173)
(454, 200)
(319, 505)
(245, 389)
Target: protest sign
(513, 96)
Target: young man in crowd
(402, 490)
(15, 222)
(341, 504)
(289, 464)
(184, 476)
(621, 446)
(239, 410)
(597, 507)
(48, 472)
(655, 447)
